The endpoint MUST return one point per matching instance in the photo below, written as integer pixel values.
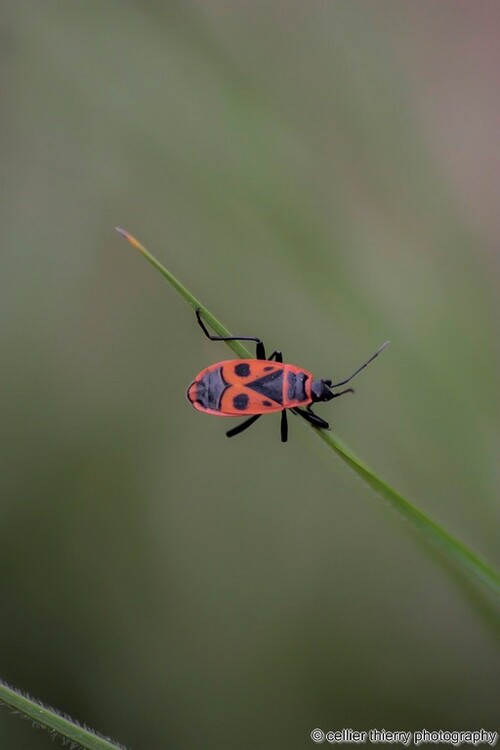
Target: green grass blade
(429, 528)
(55, 723)
(432, 531)
(238, 349)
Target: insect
(238, 387)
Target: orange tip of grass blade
(131, 239)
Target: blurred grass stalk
(431, 530)
(57, 724)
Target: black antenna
(379, 351)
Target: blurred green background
(324, 175)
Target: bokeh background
(325, 175)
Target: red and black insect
(236, 387)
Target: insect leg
(312, 418)
(318, 421)
(284, 426)
(277, 356)
(243, 426)
(260, 350)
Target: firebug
(252, 387)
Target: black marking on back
(243, 370)
(267, 403)
(270, 386)
(296, 386)
(269, 367)
(240, 401)
(210, 389)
